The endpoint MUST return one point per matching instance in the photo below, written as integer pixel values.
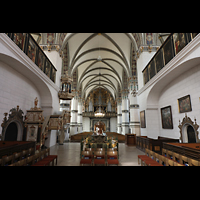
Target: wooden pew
(155, 145)
(155, 159)
(190, 150)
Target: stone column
(125, 113)
(119, 115)
(134, 114)
(74, 113)
(80, 117)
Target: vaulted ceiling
(106, 60)
(100, 59)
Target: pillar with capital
(125, 112)
(119, 115)
(134, 114)
(134, 107)
(74, 114)
(80, 117)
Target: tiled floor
(69, 154)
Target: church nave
(69, 154)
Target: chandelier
(99, 112)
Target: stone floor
(69, 154)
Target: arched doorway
(188, 130)
(191, 134)
(11, 132)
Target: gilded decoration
(35, 114)
(33, 124)
(99, 141)
(100, 98)
(65, 92)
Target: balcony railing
(169, 49)
(30, 47)
(107, 114)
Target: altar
(96, 140)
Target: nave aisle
(69, 154)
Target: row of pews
(99, 156)
(23, 153)
(78, 137)
(167, 152)
(156, 145)
(168, 158)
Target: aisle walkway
(69, 154)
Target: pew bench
(155, 159)
(180, 159)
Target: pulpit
(130, 139)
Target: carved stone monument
(33, 124)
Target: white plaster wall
(186, 83)
(142, 98)
(113, 124)
(15, 89)
(86, 124)
(178, 78)
(51, 141)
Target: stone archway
(191, 134)
(188, 130)
(11, 132)
(13, 123)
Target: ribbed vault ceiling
(114, 51)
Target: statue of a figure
(36, 102)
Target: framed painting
(179, 41)
(53, 74)
(47, 68)
(151, 69)
(19, 40)
(168, 50)
(142, 119)
(159, 60)
(193, 35)
(184, 104)
(31, 51)
(166, 116)
(41, 60)
(146, 75)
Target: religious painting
(53, 74)
(32, 133)
(166, 116)
(151, 69)
(193, 35)
(159, 60)
(179, 41)
(19, 40)
(47, 68)
(31, 51)
(145, 75)
(184, 104)
(168, 50)
(41, 60)
(142, 119)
